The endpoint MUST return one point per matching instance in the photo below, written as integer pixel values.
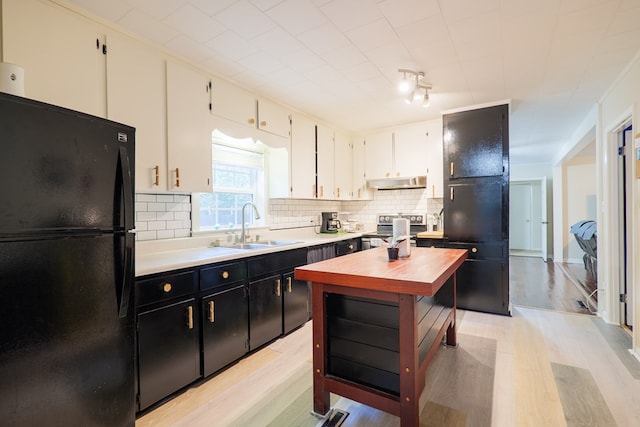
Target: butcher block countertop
(422, 273)
(430, 235)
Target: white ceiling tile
(112, 10)
(194, 23)
(141, 23)
(302, 61)
(212, 7)
(345, 57)
(245, 19)
(409, 11)
(158, 9)
(265, 5)
(261, 63)
(232, 46)
(459, 10)
(189, 49)
(372, 35)
(277, 42)
(487, 25)
(347, 15)
(323, 39)
(585, 20)
(297, 16)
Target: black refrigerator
(66, 267)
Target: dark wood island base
(377, 324)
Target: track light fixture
(411, 83)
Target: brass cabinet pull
(252, 121)
(387, 174)
(225, 274)
(433, 191)
(451, 193)
(177, 177)
(278, 284)
(350, 247)
(157, 176)
(451, 167)
(322, 191)
(474, 250)
(166, 287)
(190, 317)
(211, 311)
(397, 173)
(314, 192)
(289, 284)
(359, 192)
(338, 192)
(263, 123)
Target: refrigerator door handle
(127, 194)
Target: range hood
(398, 183)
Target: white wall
(580, 201)
(619, 103)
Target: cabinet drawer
(223, 274)
(347, 246)
(278, 261)
(495, 251)
(165, 287)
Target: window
(238, 177)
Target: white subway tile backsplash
(168, 216)
(163, 216)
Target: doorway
(527, 218)
(624, 184)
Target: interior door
(520, 216)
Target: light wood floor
(537, 368)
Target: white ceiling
(338, 59)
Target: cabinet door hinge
(623, 298)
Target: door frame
(544, 217)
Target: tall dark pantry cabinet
(476, 204)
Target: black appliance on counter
(329, 222)
(384, 229)
(476, 204)
(66, 267)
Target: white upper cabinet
(418, 151)
(303, 157)
(233, 103)
(360, 189)
(273, 118)
(342, 167)
(411, 150)
(241, 106)
(325, 162)
(189, 127)
(136, 93)
(435, 160)
(379, 155)
(61, 53)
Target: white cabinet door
(379, 155)
(303, 157)
(343, 167)
(411, 150)
(360, 189)
(189, 127)
(435, 178)
(273, 118)
(136, 94)
(325, 162)
(233, 103)
(60, 51)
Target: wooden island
(378, 323)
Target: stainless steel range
(384, 229)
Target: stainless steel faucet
(244, 234)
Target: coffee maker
(330, 222)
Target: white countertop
(160, 256)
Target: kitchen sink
(262, 244)
(277, 242)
